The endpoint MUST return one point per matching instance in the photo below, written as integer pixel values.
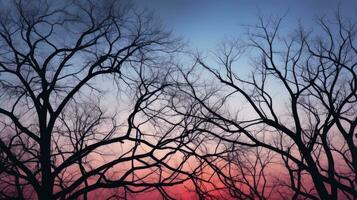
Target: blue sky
(204, 23)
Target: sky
(205, 23)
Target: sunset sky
(246, 99)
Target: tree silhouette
(58, 139)
(93, 100)
(298, 108)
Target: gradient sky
(204, 23)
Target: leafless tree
(62, 64)
(297, 109)
(58, 138)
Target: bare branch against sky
(178, 99)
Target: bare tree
(164, 126)
(58, 138)
(297, 108)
